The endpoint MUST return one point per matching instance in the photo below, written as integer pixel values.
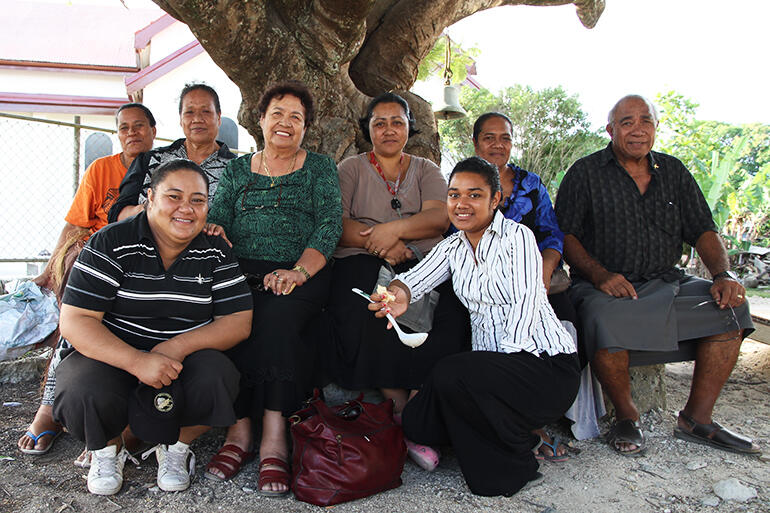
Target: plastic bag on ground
(27, 316)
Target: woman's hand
(397, 254)
(171, 348)
(156, 370)
(395, 307)
(215, 229)
(380, 238)
(283, 281)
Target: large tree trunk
(346, 51)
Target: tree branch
(401, 32)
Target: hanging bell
(451, 108)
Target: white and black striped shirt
(501, 285)
(120, 273)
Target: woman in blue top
(526, 201)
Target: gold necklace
(263, 161)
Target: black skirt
(277, 361)
(364, 354)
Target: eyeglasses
(276, 204)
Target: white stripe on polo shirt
(132, 246)
(501, 284)
(170, 333)
(227, 283)
(164, 296)
(124, 255)
(93, 272)
(103, 257)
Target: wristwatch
(725, 275)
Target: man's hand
(215, 229)
(156, 370)
(727, 292)
(615, 285)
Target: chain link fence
(41, 164)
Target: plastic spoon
(408, 339)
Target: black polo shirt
(639, 236)
(120, 273)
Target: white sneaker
(176, 466)
(105, 477)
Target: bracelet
(302, 270)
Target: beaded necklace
(395, 203)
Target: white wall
(162, 95)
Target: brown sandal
(281, 475)
(228, 465)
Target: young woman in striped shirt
(523, 371)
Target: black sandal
(629, 432)
(716, 436)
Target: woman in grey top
(394, 206)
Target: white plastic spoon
(408, 339)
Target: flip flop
(35, 438)
(716, 436)
(554, 457)
(626, 431)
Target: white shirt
(502, 288)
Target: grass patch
(763, 292)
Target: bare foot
(43, 422)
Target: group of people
(202, 307)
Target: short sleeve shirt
(366, 198)
(637, 235)
(120, 273)
(96, 193)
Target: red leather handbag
(345, 452)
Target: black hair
(139, 106)
(294, 88)
(188, 88)
(172, 166)
(387, 98)
(483, 118)
(481, 167)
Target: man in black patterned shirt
(625, 212)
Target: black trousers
(278, 362)
(92, 396)
(486, 404)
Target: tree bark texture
(346, 51)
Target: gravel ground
(673, 476)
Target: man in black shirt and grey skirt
(625, 211)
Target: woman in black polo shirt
(152, 301)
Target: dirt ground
(673, 476)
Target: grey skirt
(664, 314)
